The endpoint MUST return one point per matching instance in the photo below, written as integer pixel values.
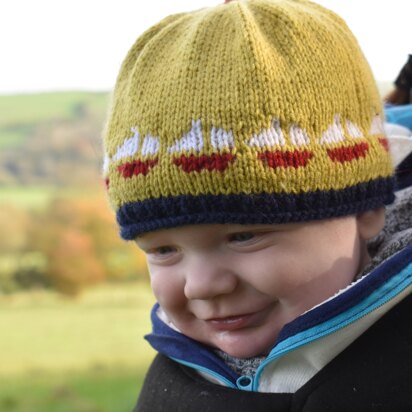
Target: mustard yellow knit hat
(255, 111)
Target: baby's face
(234, 287)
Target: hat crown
(239, 65)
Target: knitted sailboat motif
(273, 137)
(187, 150)
(147, 148)
(274, 147)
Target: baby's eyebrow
(145, 242)
(139, 241)
(140, 237)
(260, 228)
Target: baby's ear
(370, 223)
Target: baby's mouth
(240, 321)
(232, 322)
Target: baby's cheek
(274, 277)
(168, 290)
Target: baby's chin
(245, 342)
(247, 347)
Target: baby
(246, 156)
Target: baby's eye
(162, 255)
(162, 250)
(241, 236)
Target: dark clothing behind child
(404, 80)
(398, 108)
(403, 86)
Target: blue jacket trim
(186, 350)
(210, 372)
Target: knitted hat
(254, 111)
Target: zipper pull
(245, 383)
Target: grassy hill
(40, 107)
(22, 113)
(51, 138)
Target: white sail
(150, 146)
(273, 136)
(129, 147)
(221, 139)
(376, 126)
(334, 133)
(106, 163)
(193, 140)
(353, 130)
(298, 136)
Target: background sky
(79, 44)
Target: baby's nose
(205, 279)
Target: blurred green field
(22, 112)
(104, 390)
(39, 107)
(79, 355)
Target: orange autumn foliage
(79, 239)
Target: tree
(79, 240)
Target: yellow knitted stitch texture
(253, 96)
